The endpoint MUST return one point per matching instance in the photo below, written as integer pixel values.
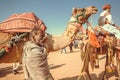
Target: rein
(72, 29)
(13, 40)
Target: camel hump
(23, 22)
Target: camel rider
(108, 26)
(106, 22)
(35, 64)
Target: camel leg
(104, 75)
(82, 75)
(15, 67)
(118, 64)
(97, 60)
(86, 62)
(118, 69)
(85, 70)
(97, 63)
(105, 72)
(88, 73)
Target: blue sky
(56, 13)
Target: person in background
(71, 47)
(75, 44)
(35, 64)
(63, 50)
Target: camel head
(80, 15)
(90, 10)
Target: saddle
(24, 22)
(14, 27)
(4, 39)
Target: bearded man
(35, 62)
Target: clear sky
(56, 13)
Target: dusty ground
(65, 66)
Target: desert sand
(63, 66)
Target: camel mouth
(95, 10)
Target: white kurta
(109, 27)
(108, 17)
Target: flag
(92, 37)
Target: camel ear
(74, 11)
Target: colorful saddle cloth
(112, 30)
(24, 22)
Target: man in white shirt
(107, 17)
(106, 22)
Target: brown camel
(90, 54)
(18, 24)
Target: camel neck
(72, 29)
(72, 19)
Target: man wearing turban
(106, 22)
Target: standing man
(71, 47)
(35, 62)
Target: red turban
(106, 6)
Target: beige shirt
(108, 17)
(35, 62)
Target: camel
(90, 53)
(18, 24)
(118, 61)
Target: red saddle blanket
(24, 22)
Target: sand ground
(63, 66)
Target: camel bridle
(81, 14)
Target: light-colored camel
(52, 43)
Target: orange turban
(106, 6)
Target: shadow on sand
(70, 78)
(52, 66)
(93, 76)
(8, 70)
(74, 51)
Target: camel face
(91, 10)
(82, 14)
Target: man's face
(38, 37)
(108, 9)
